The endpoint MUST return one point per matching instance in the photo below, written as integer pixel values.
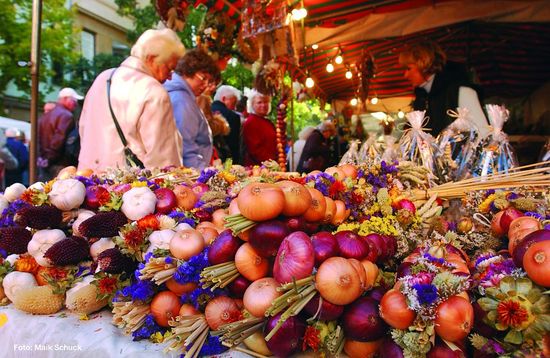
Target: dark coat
(53, 128)
(233, 139)
(443, 96)
(316, 153)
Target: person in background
(194, 73)
(7, 160)
(259, 135)
(219, 127)
(440, 85)
(48, 106)
(140, 104)
(21, 153)
(316, 152)
(240, 109)
(53, 128)
(298, 147)
(225, 101)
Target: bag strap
(118, 129)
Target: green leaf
(514, 337)
(507, 284)
(523, 286)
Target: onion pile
(295, 258)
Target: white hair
(253, 94)
(305, 132)
(164, 44)
(327, 125)
(227, 91)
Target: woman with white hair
(224, 103)
(259, 134)
(316, 152)
(133, 95)
(298, 147)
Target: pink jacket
(144, 112)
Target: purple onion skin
(378, 244)
(351, 245)
(526, 242)
(239, 286)
(391, 244)
(223, 248)
(441, 350)
(325, 246)
(403, 270)
(327, 312)
(362, 322)
(480, 326)
(288, 339)
(267, 236)
(377, 293)
(390, 349)
(295, 223)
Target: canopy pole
(35, 81)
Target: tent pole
(35, 80)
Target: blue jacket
(191, 122)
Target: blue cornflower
(212, 346)
(206, 174)
(200, 297)
(434, 259)
(168, 260)
(149, 327)
(427, 293)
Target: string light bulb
(339, 59)
(309, 82)
(401, 114)
(349, 74)
(353, 102)
(330, 67)
(298, 14)
(374, 100)
(315, 46)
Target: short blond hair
(428, 56)
(253, 94)
(163, 44)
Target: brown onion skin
(454, 319)
(338, 282)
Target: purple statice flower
(421, 278)
(493, 208)
(482, 258)
(168, 260)
(3, 253)
(489, 192)
(388, 169)
(181, 217)
(496, 272)
(9, 213)
(93, 180)
(149, 327)
(492, 347)
(206, 174)
(535, 215)
(141, 290)
(151, 184)
(427, 293)
(212, 347)
(199, 204)
(452, 226)
(190, 270)
(512, 196)
(360, 173)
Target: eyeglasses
(204, 79)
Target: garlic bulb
(67, 194)
(41, 241)
(83, 214)
(3, 203)
(160, 239)
(101, 245)
(15, 281)
(38, 186)
(183, 226)
(12, 258)
(14, 191)
(138, 202)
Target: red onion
(223, 248)
(442, 350)
(203, 215)
(404, 270)
(266, 237)
(479, 325)
(377, 293)
(405, 204)
(310, 227)
(94, 196)
(378, 244)
(362, 322)
(200, 189)
(351, 245)
(295, 223)
(390, 349)
(526, 242)
(239, 286)
(508, 216)
(325, 246)
(288, 339)
(327, 311)
(166, 200)
(295, 258)
(391, 245)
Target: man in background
(21, 153)
(53, 128)
(225, 101)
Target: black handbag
(132, 159)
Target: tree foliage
(57, 42)
(145, 17)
